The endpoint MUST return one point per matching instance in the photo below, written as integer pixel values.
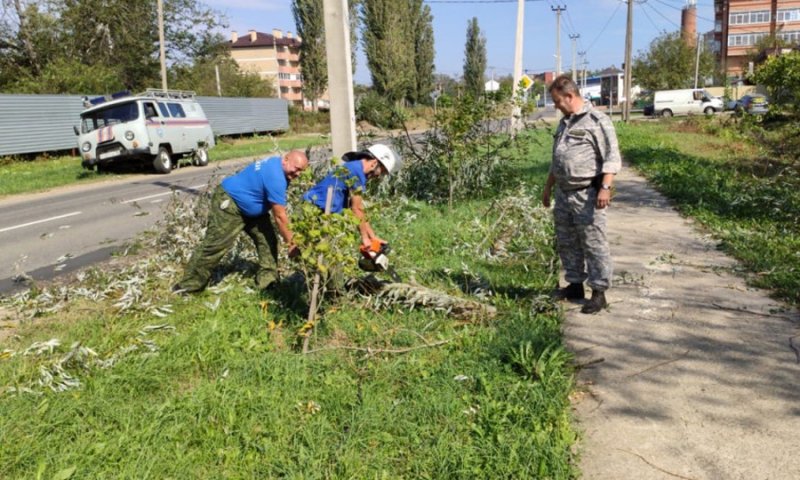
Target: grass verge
(746, 198)
(140, 384)
(25, 176)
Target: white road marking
(7, 229)
(194, 187)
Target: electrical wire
(661, 14)
(680, 10)
(478, 1)
(644, 10)
(613, 14)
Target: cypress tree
(475, 59)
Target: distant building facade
(739, 25)
(275, 56)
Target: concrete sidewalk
(693, 374)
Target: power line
(602, 30)
(644, 10)
(661, 14)
(680, 10)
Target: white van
(667, 103)
(154, 126)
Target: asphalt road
(49, 234)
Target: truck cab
(154, 127)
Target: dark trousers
(225, 222)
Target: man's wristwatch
(605, 186)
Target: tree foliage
(670, 64)
(422, 30)
(474, 59)
(95, 46)
(201, 77)
(781, 77)
(388, 42)
(309, 21)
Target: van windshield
(112, 115)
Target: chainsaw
(374, 259)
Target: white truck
(667, 103)
(155, 126)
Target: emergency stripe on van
(178, 123)
(105, 134)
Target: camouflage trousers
(225, 222)
(581, 238)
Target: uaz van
(154, 126)
(667, 103)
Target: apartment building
(275, 56)
(741, 24)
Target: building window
(747, 18)
(791, 38)
(745, 39)
(788, 15)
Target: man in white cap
(349, 184)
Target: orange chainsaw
(374, 259)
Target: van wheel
(709, 111)
(162, 161)
(200, 158)
(666, 113)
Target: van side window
(164, 109)
(150, 110)
(176, 110)
(698, 95)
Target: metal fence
(43, 123)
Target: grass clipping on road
(141, 384)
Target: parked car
(754, 103)
(667, 103)
(155, 126)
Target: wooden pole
(315, 291)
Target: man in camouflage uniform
(244, 201)
(585, 159)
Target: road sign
(525, 82)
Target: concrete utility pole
(558, 11)
(340, 76)
(161, 47)
(582, 54)
(517, 111)
(626, 112)
(574, 39)
(697, 61)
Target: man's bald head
(294, 163)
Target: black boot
(573, 291)
(597, 303)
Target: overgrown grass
(226, 395)
(748, 198)
(24, 176)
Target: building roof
(264, 40)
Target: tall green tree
(388, 44)
(422, 30)
(670, 63)
(781, 76)
(201, 77)
(309, 22)
(474, 59)
(69, 46)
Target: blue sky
(600, 24)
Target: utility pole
(161, 47)
(574, 39)
(697, 61)
(626, 112)
(558, 11)
(340, 76)
(582, 54)
(219, 87)
(516, 111)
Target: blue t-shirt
(355, 178)
(258, 186)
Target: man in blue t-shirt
(349, 181)
(243, 202)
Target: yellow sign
(525, 82)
